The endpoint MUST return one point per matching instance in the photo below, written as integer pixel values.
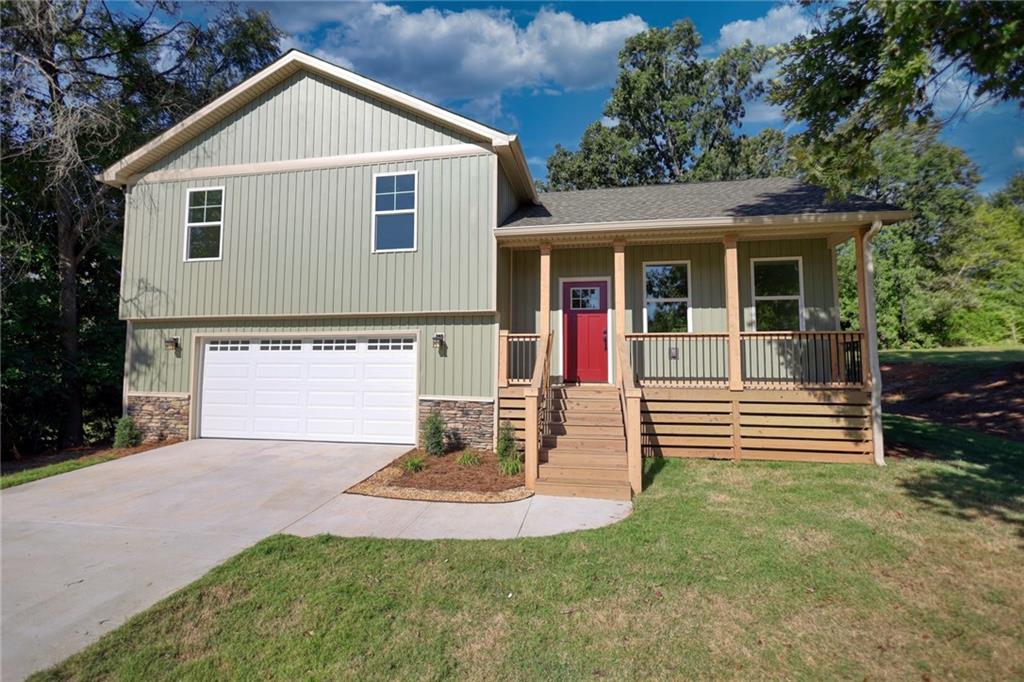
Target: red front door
(585, 331)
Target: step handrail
(537, 398)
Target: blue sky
(544, 70)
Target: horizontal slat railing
(680, 359)
(521, 352)
(792, 360)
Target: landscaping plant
(414, 464)
(126, 433)
(468, 459)
(433, 434)
(507, 447)
(511, 466)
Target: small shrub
(507, 448)
(126, 433)
(414, 464)
(510, 466)
(468, 459)
(434, 430)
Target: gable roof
(506, 145)
(700, 201)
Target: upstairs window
(666, 297)
(204, 223)
(778, 285)
(394, 212)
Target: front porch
(721, 347)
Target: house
(317, 256)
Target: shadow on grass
(652, 467)
(974, 475)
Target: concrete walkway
(82, 552)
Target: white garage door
(346, 389)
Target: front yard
(750, 570)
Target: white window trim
(754, 298)
(223, 208)
(686, 300)
(415, 211)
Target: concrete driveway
(84, 551)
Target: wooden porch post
(502, 358)
(544, 324)
(862, 303)
(732, 314)
(619, 247)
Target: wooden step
(584, 473)
(573, 428)
(606, 490)
(606, 444)
(585, 417)
(586, 391)
(573, 457)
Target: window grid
(204, 219)
(229, 345)
(334, 344)
(394, 196)
(396, 343)
(281, 344)
(655, 300)
(583, 298)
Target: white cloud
(471, 55)
(760, 111)
(1018, 150)
(780, 25)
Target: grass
(724, 570)
(45, 471)
(981, 357)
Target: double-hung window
(394, 212)
(204, 223)
(778, 293)
(667, 297)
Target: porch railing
(680, 359)
(517, 355)
(791, 360)
(537, 403)
(629, 397)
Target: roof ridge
(675, 184)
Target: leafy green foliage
(116, 78)
(507, 447)
(877, 66)
(414, 463)
(126, 434)
(511, 466)
(434, 429)
(671, 118)
(469, 458)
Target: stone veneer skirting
(470, 422)
(160, 417)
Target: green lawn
(29, 475)
(725, 570)
(980, 357)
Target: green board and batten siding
(296, 246)
(308, 116)
(299, 243)
(467, 368)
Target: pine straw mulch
(443, 480)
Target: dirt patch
(990, 400)
(80, 453)
(444, 480)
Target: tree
(874, 66)
(937, 183)
(672, 117)
(83, 85)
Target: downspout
(872, 333)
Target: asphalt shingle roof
(734, 198)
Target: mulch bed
(443, 480)
(13, 466)
(987, 400)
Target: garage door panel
(287, 390)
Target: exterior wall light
(172, 344)
(438, 340)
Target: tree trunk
(71, 424)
